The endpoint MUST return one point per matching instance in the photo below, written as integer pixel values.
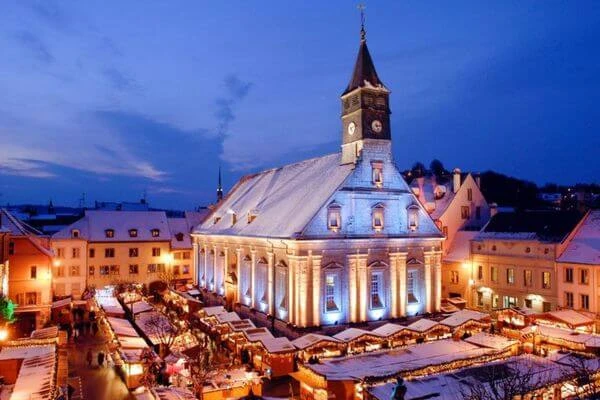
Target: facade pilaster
(225, 270)
(253, 279)
(315, 261)
(352, 289)
(427, 267)
(196, 255)
(238, 253)
(363, 287)
(214, 268)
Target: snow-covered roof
(311, 339)
(496, 342)
(172, 393)
(388, 329)
(18, 228)
(239, 325)
(109, 304)
(584, 247)
(586, 339)
(433, 195)
(45, 333)
(37, 377)
(462, 316)
(154, 325)
(277, 345)
(180, 229)
(214, 310)
(395, 361)
(140, 307)
(422, 325)
(128, 342)
(460, 250)
(283, 200)
(571, 317)
(351, 334)
(94, 224)
(122, 327)
(227, 317)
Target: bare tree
(158, 328)
(203, 367)
(584, 373)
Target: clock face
(377, 126)
(351, 128)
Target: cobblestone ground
(96, 383)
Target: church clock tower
(365, 106)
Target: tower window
(377, 216)
(413, 217)
(377, 173)
(334, 217)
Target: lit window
(454, 277)
(75, 233)
(510, 276)
(133, 252)
(186, 255)
(185, 269)
(569, 303)
(376, 290)
(377, 216)
(75, 252)
(156, 252)
(133, 269)
(494, 274)
(151, 268)
(115, 270)
(31, 298)
(334, 217)
(413, 217)
(155, 232)
(528, 278)
(104, 269)
(479, 299)
(109, 233)
(377, 173)
(330, 293)
(546, 280)
(133, 233)
(465, 212)
(411, 294)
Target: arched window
(377, 173)
(413, 217)
(334, 217)
(377, 216)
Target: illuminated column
(352, 289)
(437, 267)
(238, 253)
(270, 283)
(401, 270)
(316, 289)
(205, 266)
(428, 258)
(225, 270)
(362, 286)
(214, 267)
(293, 270)
(302, 290)
(196, 256)
(253, 279)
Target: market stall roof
(242, 324)
(215, 310)
(496, 342)
(132, 355)
(423, 325)
(589, 340)
(153, 324)
(128, 342)
(45, 333)
(461, 317)
(227, 317)
(351, 334)
(122, 327)
(140, 307)
(569, 317)
(311, 339)
(61, 303)
(37, 373)
(277, 345)
(172, 393)
(388, 329)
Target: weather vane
(363, 33)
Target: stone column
(316, 289)
(362, 287)
(401, 269)
(238, 253)
(271, 283)
(428, 260)
(253, 279)
(196, 255)
(352, 289)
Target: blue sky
(117, 98)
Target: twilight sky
(117, 98)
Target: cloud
(237, 90)
(50, 12)
(35, 46)
(119, 80)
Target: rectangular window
(60, 252)
(528, 303)
(495, 301)
(156, 252)
(33, 272)
(104, 269)
(109, 252)
(470, 194)
(510, 301)
(133, 252)
(151, 268)
(454, 277)
(494, 274)
(115, 270)
(31, 298)
(175, 269)
(186, 255)
(92, 253)
(109, 233)
(376, 290)
(60, 271)
(11, 248)
(480, 272)
(527, 278)
(185, 269)
(330, 293)
(378, 218)
(411, 294)
(377, 173)
(91, 270)
(177, 255)
(569, 303)
(74, 270)
(585, 302)
(334, 218)
(160, 268)
(133, 269)
(546, 280)
(465, 212)
(569, 275)
(584, 276)
(510, 276)
(480, 299)
(75, 252)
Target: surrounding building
(578, 266)
(29, 274)
(335, 239)
(459, 209)
(513, 260)
(108, 247)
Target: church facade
(335, 239)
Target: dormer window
(179, 237)
(133, 233)
(233, 218)
(75, 233)
(334, 217)
(377, 173)
(216, 220)
(155, 232)
(413, 217)
(377, 215)
(252, 215)
(109, 233)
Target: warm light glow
(136, 369)
(56, 263)
(534, 328)
(466, 264)
(168, 258)
(471, 281)
(3, 334)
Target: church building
(330, 240)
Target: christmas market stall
(396, 335)
(108, 302)
(315, 346)
(273, 356)
(429, 330)
(548, 338)
(360, 340)
(467, 322)
(232, 384)
(567, 319)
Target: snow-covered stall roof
(393, 362)
(132, 342)
(570, 317)
(45, 333)
(154, 325)
(311, 339)
(351, 334)
(460, 250)
(587, 339)
(141, 306)
(242, 324)
(94, 224)
(283, 200)
(496, 342)
(423, 325)
(277, 345)
(584, 247)
(36, 378)
(228, 317)
(461, 317)
(215, 310)
(109, 304)
(388, 329)
(122, 327)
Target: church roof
(364, 73)
(282, 200)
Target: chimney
(478, 180)
(456, 179)
(493, 209)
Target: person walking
(89, 357)
(101, 359)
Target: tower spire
(363, 33)
(219, 188)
